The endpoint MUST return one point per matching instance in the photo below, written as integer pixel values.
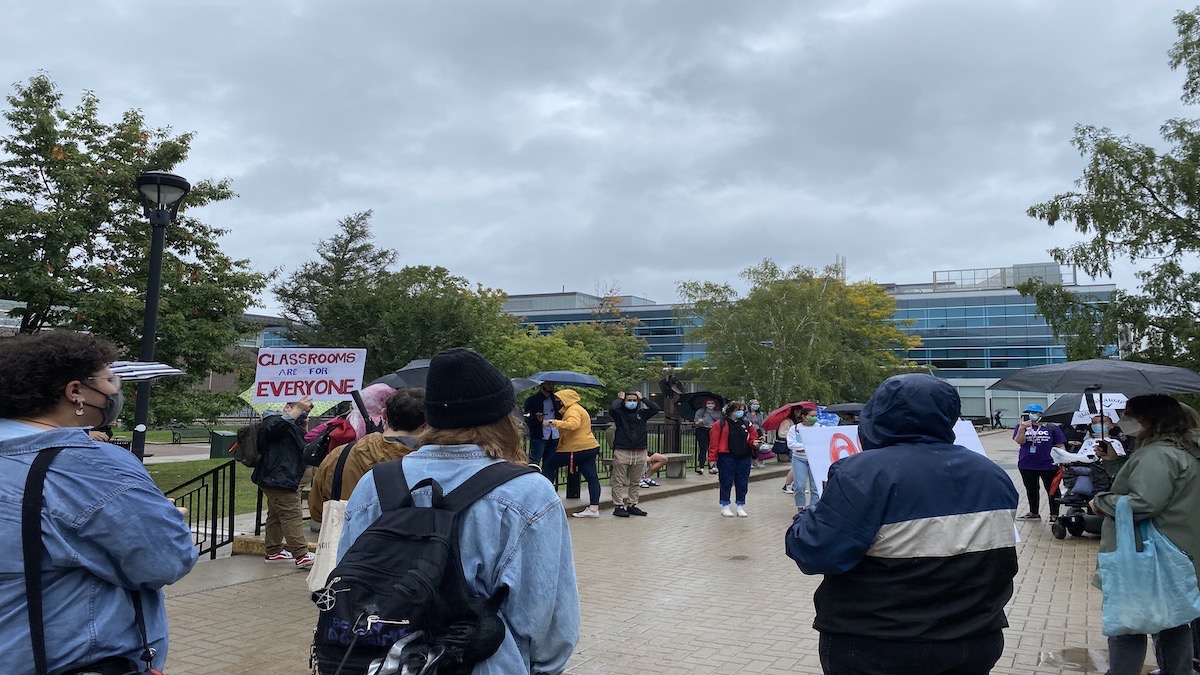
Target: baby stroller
(1080, 478)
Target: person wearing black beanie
(515, 539)
(463, 390)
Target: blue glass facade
(656, 324)
(981, 334)
(973, 324)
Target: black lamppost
(161, 194)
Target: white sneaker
(742, 512)
(587, 513)
(727, 512)
(789, 489)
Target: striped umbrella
(319, 407)
(138, 371)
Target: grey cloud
(539, 144)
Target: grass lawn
(171, 474)
(164, 435)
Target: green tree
(1138, 203)
(796, 334)
(348, 297)
(75, 246)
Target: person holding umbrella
(1162, 482)
(577, 448)
(1035, 463)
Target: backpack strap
(339, 471)
(392, 486)
(484, 481)
(34, 549)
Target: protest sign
(1110, 403)
(826, 445)
(291, 373)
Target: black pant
(582, 462)
(701, 446)
(1030, 478)
(857, 655)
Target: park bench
(676, 463)
(188, 435)
(979, 421)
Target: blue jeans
(1173, 647)
(540, 448)
(733, 473)
(861, 655)
(802, 477)
(584, 462)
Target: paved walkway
(682, 591)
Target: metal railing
(258, 509)
(209, 499)
(663, 436)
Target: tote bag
(1145, 591)
(332, 518)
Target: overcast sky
(537, 145)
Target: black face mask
(111, 410)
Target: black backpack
(316, 450)
(245, 449)
(401, 584)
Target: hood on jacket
(913, 408)
(568, 397)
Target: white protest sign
(1109, 403)
(826, 445)
(291, 373)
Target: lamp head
(162, 191)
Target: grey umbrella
(1128, 377)
(413, 374)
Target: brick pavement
(682, 591)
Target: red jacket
(718, 439)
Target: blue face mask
(1097, 428)
(754, 407)
(739, 414)
(631, 405)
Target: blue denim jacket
(516, 536)
(106, 528)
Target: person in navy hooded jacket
(916, 540)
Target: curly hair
(405, 409)
(34, 368)
(1162, 419)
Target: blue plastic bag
(1145, 591)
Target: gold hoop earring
(79, 410)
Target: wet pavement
(681, 591)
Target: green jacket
(1163, 483)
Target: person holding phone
(1034, 462)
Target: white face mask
(1130, 426)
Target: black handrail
(210, 501)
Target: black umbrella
(690, 403)
(416, 373)
(1128, 377)
(568, 377)
(851, 408)
(1063, 410)
(411, 375)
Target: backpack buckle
(374, 619)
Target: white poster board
(1110, 404)
(291, 373)
(826, 445)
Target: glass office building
(659, 325)
(975, 327)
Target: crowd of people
(946, 529)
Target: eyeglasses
(114, 380)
